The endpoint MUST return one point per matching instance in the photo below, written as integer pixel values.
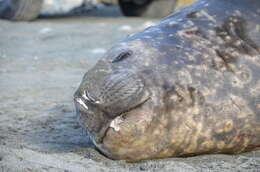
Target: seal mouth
(102, 106)
(115, 122)
(96, 121)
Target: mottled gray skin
(187, 86)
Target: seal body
(187, 86)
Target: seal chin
(94, 121)
(97, 138)
(114, 124)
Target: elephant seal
(187, 86)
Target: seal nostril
(123, 56)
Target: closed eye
(122, 56)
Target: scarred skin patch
(187, 86)
(115, 124)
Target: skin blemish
(190, 33)
(208, 144)
(194, 14)
(228, 126)
(209, 17)
(116, 122)
(172, 23)
(221, 145)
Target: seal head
(115, 95)
(187, 86)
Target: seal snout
(101, 107)
(120, 92)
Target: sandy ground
(41, 65)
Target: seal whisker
(87, 97)
(84, 95)
(81, 102)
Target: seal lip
(84, 102)
(116, 121)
